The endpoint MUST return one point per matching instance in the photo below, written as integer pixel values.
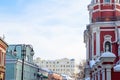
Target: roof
(45, 69)
(108, 54)
(88, 78)
(92, 62)
(66, 76)
(117, 67)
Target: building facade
(3, 47)
(16, 67)
(102, 39)
(60, 66)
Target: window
(94, 1)
(107, 43)
(119, 50)
(27, 57)
(107, 1)
(107, 46)
(117, 1)
(57, 62)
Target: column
(95, 76)
(103, 74)
(98, 74)
(108, 72)
(92, 75)
(98, 42)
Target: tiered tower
(102, 38)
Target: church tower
(102, 39)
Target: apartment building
(60, 66)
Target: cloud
(54, 27)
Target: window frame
(107, 38)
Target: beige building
(3, 47)
(60, 66)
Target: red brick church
(102, 39)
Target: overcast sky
(53, 27)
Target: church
(102, 39)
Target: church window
(107, 43)
(107, 46)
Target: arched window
(107, 43)
(107, 46)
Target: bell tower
(103, 32)
(102, 39)
(104, 10)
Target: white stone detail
(88, 78)
(108, 54)
(117, 67)
(92, 63)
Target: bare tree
(81, 67)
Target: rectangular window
(117, 1)
(107, 1)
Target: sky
(53, 27)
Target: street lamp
(23, 54)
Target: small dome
(108, 54)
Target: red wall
(102, 34)
(115, 75)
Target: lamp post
(23, 54)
